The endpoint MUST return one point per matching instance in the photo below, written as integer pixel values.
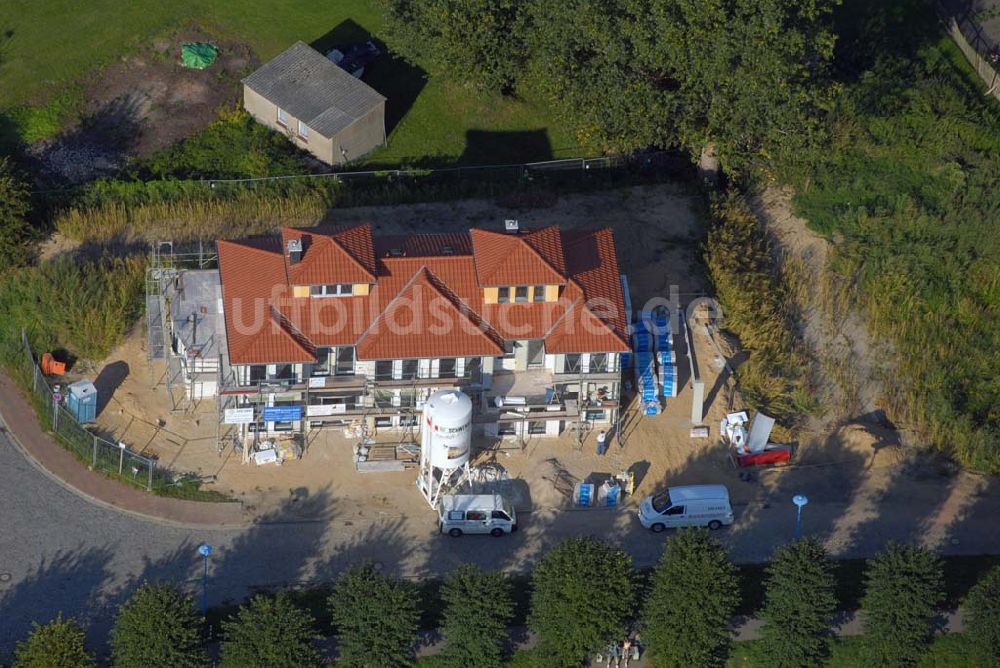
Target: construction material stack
(666, 357)
(645, 368)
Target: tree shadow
(501, 147)
(397, 79)
(99, 145)
(870, 30)
(67, 582)
(108, 380)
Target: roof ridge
(464, 309)
(524, 243)
(381, 315)
(541, 257)
(291, 331)
(340, 245)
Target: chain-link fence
(112, 459)
(982, 52)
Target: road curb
(39, 466)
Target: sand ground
(658, 232)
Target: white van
(476, 513)
(687, 506)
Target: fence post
(94, 464)
(149, 481)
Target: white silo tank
(447, 425)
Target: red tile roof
(432, 294)
(425, 308)
(331, 256)
(533, 258)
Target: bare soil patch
(144, 102)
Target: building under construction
(334, 327)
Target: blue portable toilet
(81, 400)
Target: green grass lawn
(908, 192)
(47, 47)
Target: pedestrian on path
(602, 443)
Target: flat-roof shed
(319, 106)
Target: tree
(694, 582)
(475, 41)
(583, 595)
(799, 605)
(15, 203)
(750, 77)
(157, 627)
(903, 589)
(58, 644)
(376, 618)
(270, 631)
(982, 617)
(478, 608)
(583, 66)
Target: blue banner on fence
(282, 413)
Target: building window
(258, 372)
(282, 117)
(303, 131)
(383, 369)
(506, 429)
(536, 427)
(521, 293)
(503, 295)
(446, 368)
(598, 362)
(383, 421)
(322, 365)
(409, 369)
(473, 367)
(345, 361)
(536, 354)
(539, 293)
(332, 290)
(572, 363)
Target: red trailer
(778, 454)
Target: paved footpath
(61, 551)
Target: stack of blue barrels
(645, 369)
(666, 357)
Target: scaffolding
(165, 266)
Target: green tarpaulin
(198, 55)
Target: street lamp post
(204, 550)
(799, 500)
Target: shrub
(233, 147)
(14, 207)
(157, 628)
(83, 306)
(982, 617)
(270, 632)
(799, 605)
(478, 609)
(376, 618)
(903, 589)
(583, 595)
(754, 300)
(694, 582)
(58, 644)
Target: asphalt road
(58, 552)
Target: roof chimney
(294, 251)
(511, 226)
